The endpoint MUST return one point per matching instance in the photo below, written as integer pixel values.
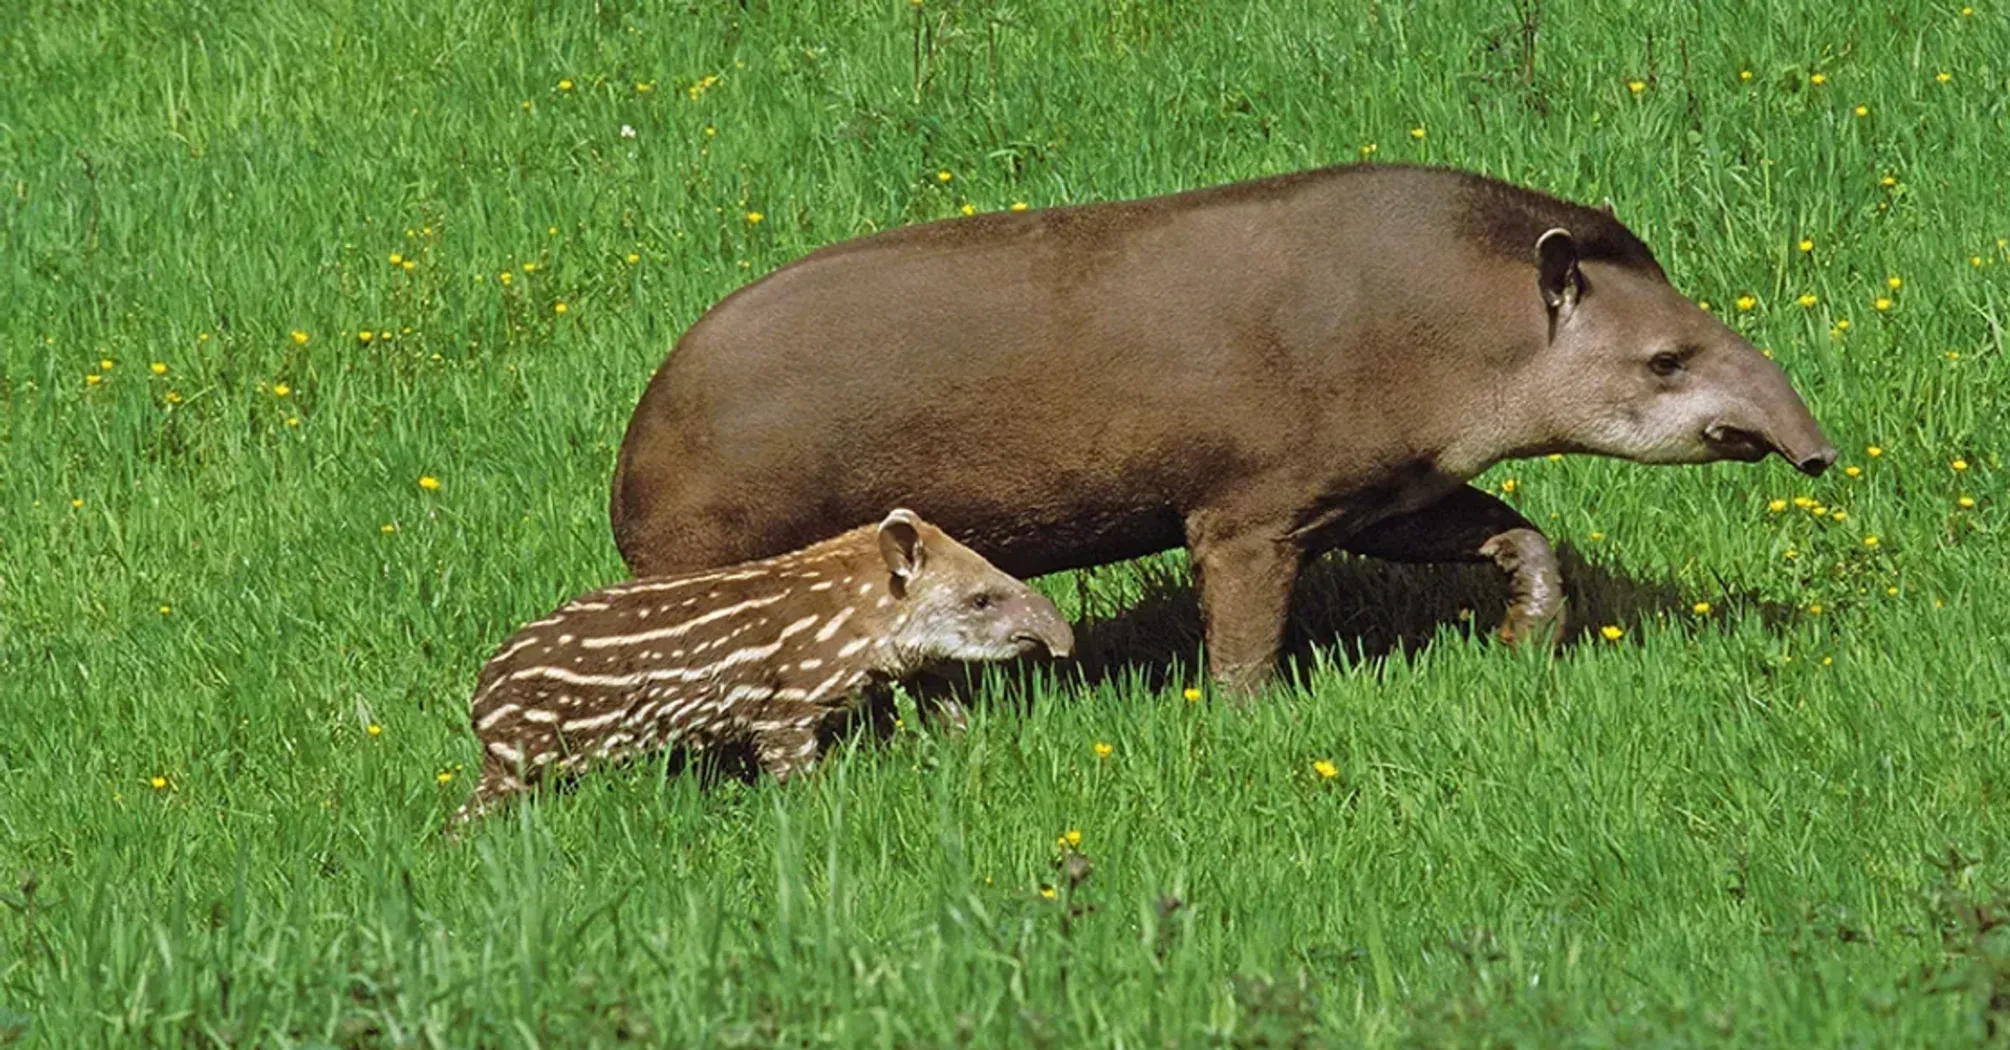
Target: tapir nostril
(1814, 465)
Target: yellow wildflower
(1943, 76)
(281, 390)
(634, 258)
(1508, 486)
(300, 337)
(173, 397)
(1894, 282)
(1103, 750)
(1873, 451)
(1870, 541)
(363, 336)
(1018, 205)
(558, 308)
(158, 368)
(968, 209)
(1745, 75)
(1700, 608)
(1815, 609)
(754, 218)
(1853, 471)
(1803, 502)
(387, 528)
(1192, 695)
(1880, 304)
(506, 278)
(1819, 79)
(1965, 502)
(77, 504)
(444, 775)
(529, 266)
(1071, 837)
(105, 364)
(1612, 632)
(944, 175)
(93, 379)
(565, 85)
(1325, 769)
(1417, 133)
(1047, 892)
(408, 265)
(429, 483)
(1888, 181)
(396, 258)
(292, 421)
(1746, 302)
(1808, 300)
(159, 782)
(166, 609)
(1596, 536)
(1959, 464)
(1636, 86)
(1807, 244)
(375, 730)
(1777, 505)
(1863, 111)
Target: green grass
(1766, 825)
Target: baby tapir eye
(983, 600)
(1664, 363)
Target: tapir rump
(1261, 371)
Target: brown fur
(1262, 372)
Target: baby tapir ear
(900, 544)
(1562, 283)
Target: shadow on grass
(1346, 608)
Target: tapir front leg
(1470, 525)
(1243, 575)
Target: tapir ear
(900, 544)
(1556, 262)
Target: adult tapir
(1261, 371)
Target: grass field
(265, 266)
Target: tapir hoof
(1536, 583)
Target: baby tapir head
(1631, 368)
(953, 605)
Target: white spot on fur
(831, 629)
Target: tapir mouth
(1747, 446)
(1058, 644)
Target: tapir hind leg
(1470, 525)
(1243, 575)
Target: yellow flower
(754, 218)
(1777, 505)
(158, 368)
(1880, 304)
(93, 379)
(1959, 464)
(375, 729)
(1417, 133)
(1839, 515)
(396, 258)
(944, 175)
(1192, 695)
(1508, 486)
(1863, 111)
(1818, 509)
(1045, 891)
(1700, 608)
(1071, 837)
(1873, 451)
(166, 609)
(1943, 76)
(173, 397)
(1803, 502)
(1870, 541)
(281, 390)
(1966, 11)
(968, 209)
(105, 364)
(1596, 536)
(1790, 554)
(1746, 302)
(1745, 74)
(1612, 632)
(529, 266)
(1018, 205)
(565, 85)
(429, 483)
(551, 231)
(710, 131)
(506, 278)
(1892, 590)
(1888, 181)
(300, 337)
(1965, 502)
(1815, 609)
(644, 87)
(1103, 750)
(558, 308)
(408, 265)
(1808, 300)
(387, 528)
(1807, 244)
(1975, 261)
(77, 504)
(1819, 79)
(159, 782)
(1703, 304)
(1842, 325)
(633, 258)
(444, 775)
(292, 421)
(1636, 86)
(1853, 471)
(363, 336)
(1894, 283)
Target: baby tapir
(762, 654)
(1261, 372)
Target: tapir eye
(1664, 364)
(982, 600)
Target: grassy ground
(264, 266)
